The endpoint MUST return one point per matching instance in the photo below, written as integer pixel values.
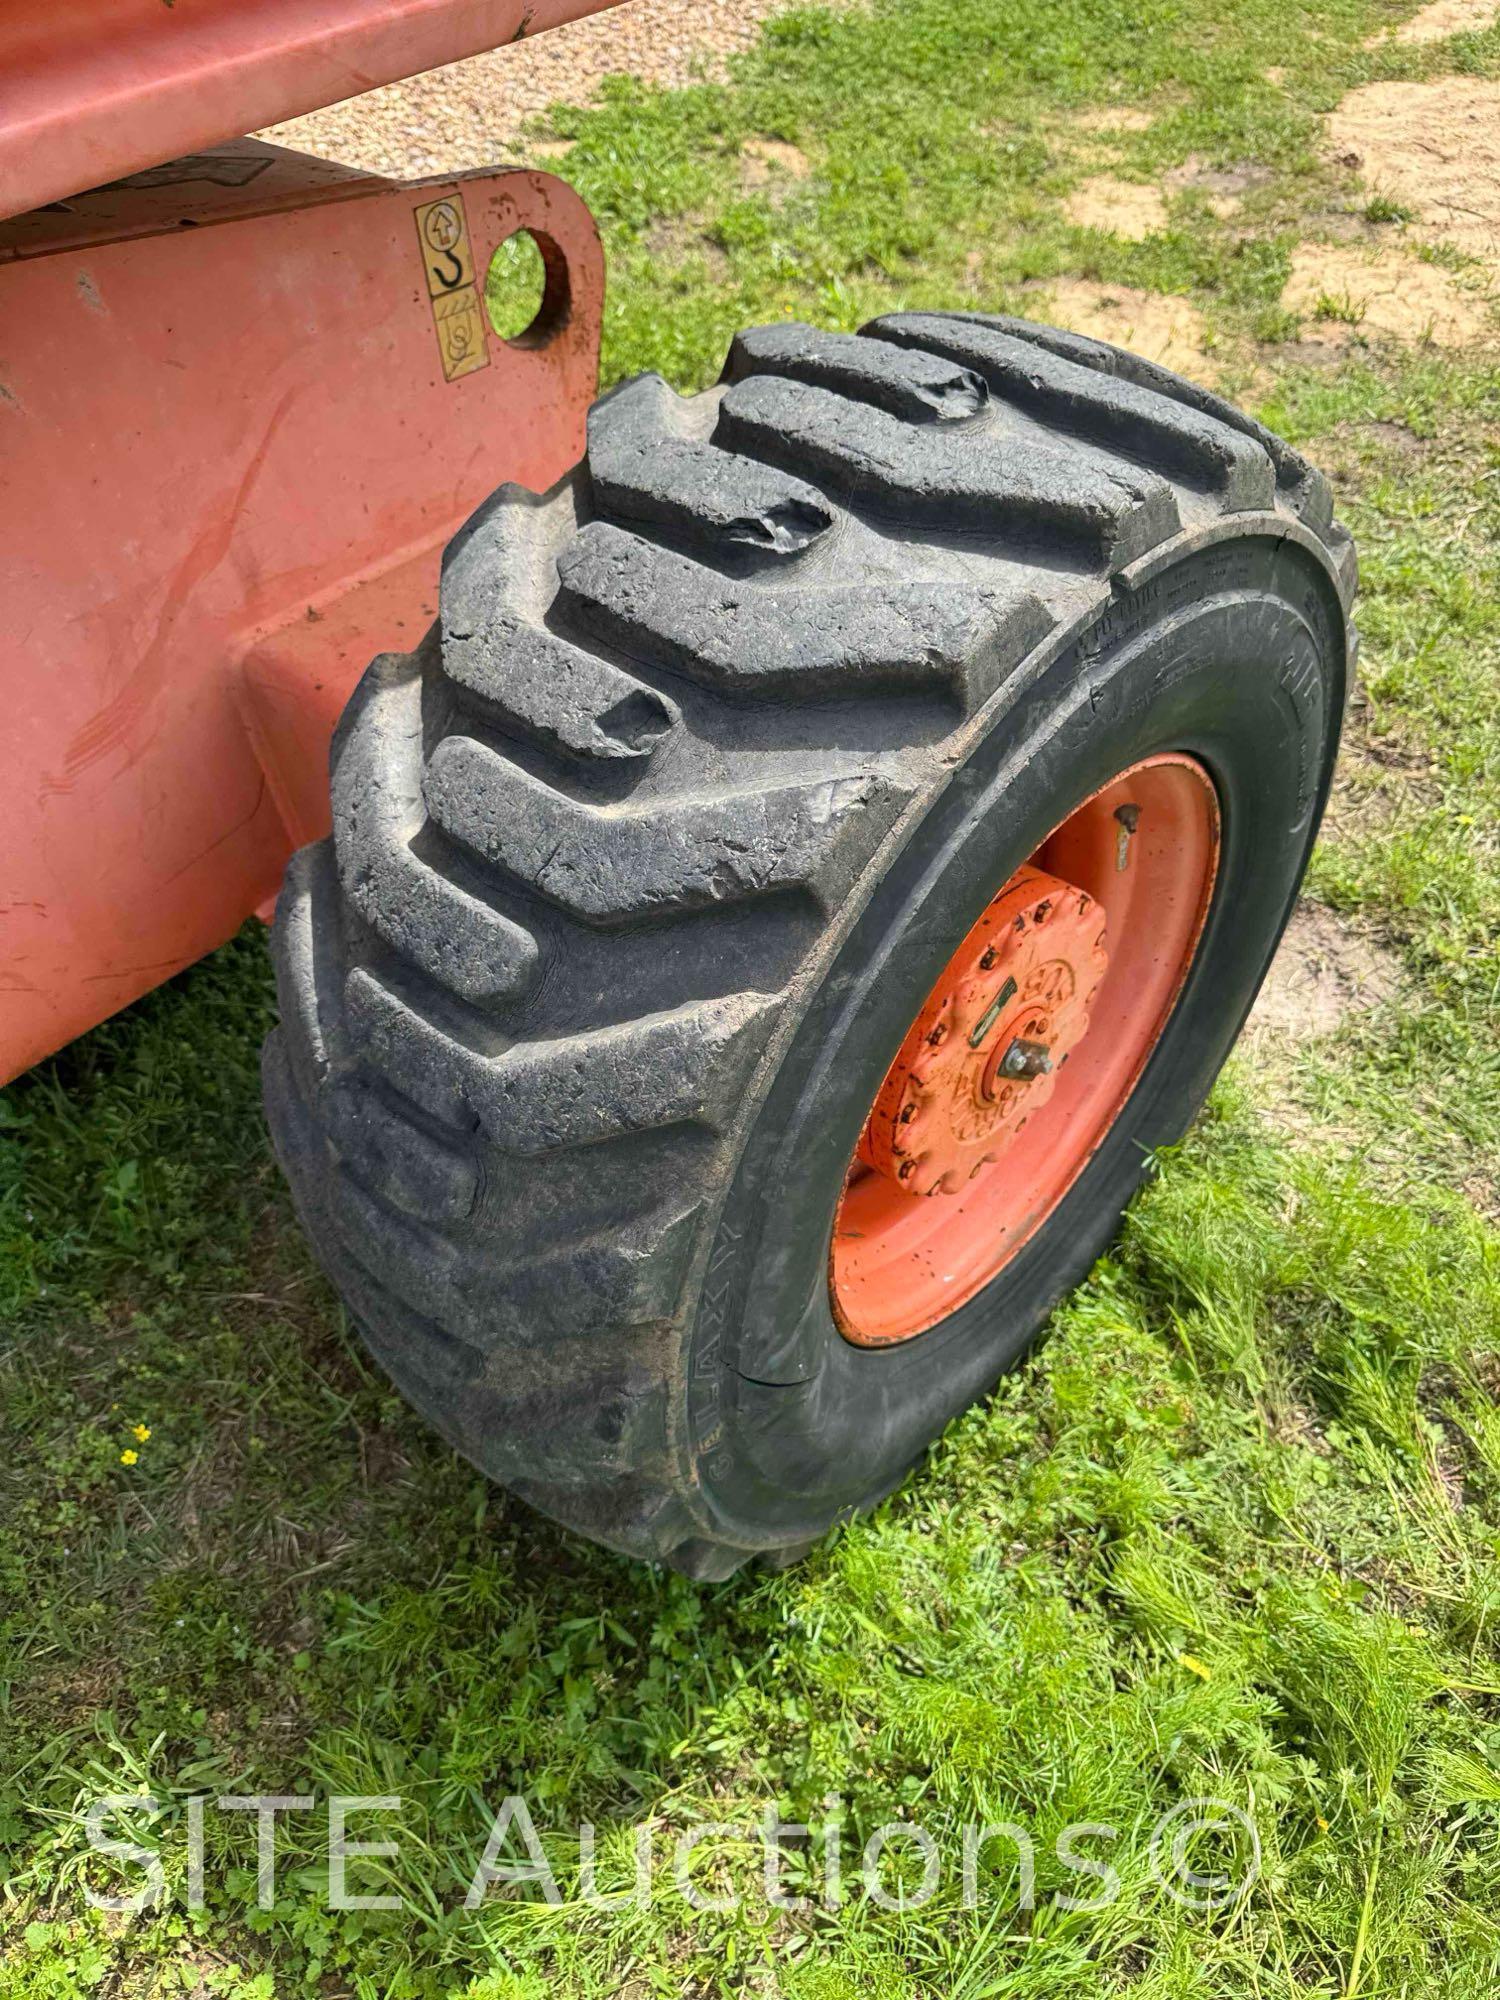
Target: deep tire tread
(596, 752)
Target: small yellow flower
(1322, 1823)
(140, 1432)
(1194, 1666)
(129, 1457)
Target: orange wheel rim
(1024, 1052)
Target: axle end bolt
(1025, 1060)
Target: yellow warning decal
(448, 258)
(459, 320)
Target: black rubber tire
(646, 856)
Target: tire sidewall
(1233, 654)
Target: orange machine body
(245, 397)
(92, 90)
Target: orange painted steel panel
(91, 90)
(231, 459)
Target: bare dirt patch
(765, 161)
(1395, 437)
(1323, 972)
(1128, 209)
(470, 113)
(1162, 329)
(1440, 20)
(1116, 118)
(1354, 453)
(1342, 293)
(678, 238)
(1224, 187)
(1379, 780)
(1434, 147)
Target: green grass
(1235, 1533)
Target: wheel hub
(983, 1054)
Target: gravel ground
(469, 114)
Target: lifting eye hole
(527, 293)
